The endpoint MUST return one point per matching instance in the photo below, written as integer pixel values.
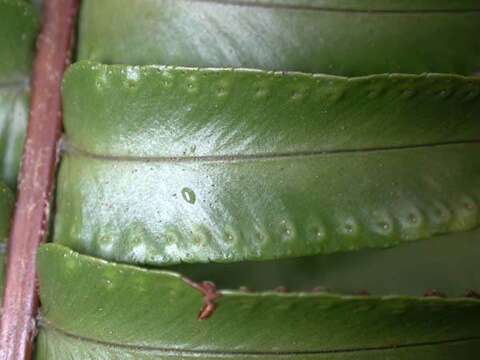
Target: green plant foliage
(168, 165)
(18, 27)
(218, 167)
(13, 125)
(93, 309)
(323, 36)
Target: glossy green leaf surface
(157, 212)
(324, 36)
(183, 112)
(154, 314)
(128, 312)
(169, 165)
(18, 26)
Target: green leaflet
(343, 38)
(168, 165)
(152, 314)
(18, 27)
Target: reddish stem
(210, 295)
(40, 155)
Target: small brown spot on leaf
(472, 294)
(434, 293)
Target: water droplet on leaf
(188, 195)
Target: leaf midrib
(73, 150)
(323, 8)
